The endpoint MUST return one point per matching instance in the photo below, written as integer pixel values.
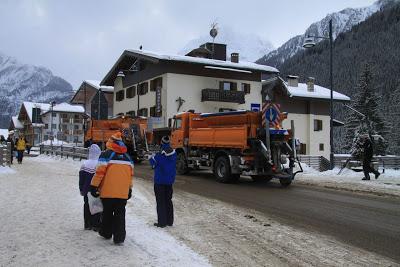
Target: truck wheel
(285, 182)
(222, 170)
(260, 178)
(181, 164)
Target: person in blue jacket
(86, 173)
(164, 165)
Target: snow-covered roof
(17, 123)
(129, 56)
(206, 61)
(45, 108)
(318, 92)
(65, 107)
(30, 105)
(96, 84)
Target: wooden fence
(5, 154)
(65, 151)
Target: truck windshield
(177, 123)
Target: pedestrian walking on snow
(10, 139)
(164, 165)
(20, 144)
(113, 183)
(367, 158)
(86, 173)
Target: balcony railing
(222, 96)
(65, 120)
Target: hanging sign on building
(158, 100)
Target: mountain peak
(250, 46)
(20, 82)
(342, 21)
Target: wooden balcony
(219, 95)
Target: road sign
(255, 107)
(271, 114)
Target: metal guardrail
(65, 151)
(5, 154)
(322, 164)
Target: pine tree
(394, 111)
(366, 101)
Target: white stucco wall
(189, 88)
(304, 127)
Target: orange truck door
(177, 133)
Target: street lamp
(309, 43)
(52, 104)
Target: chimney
(235, 57)
(293, 80)
(310, 84)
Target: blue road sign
(255, 107)
(271, 114)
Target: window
(46, 137)
(143, 112)
(64, 116)
(64, 127)
(46, 126)
(76, 116)
(119, 96)
(131, 113)
(177, 123)
(227, 86)
(155, 83)
(154, 113)
(131, 92)
(36, 115)
(317, 125)
(321, 147)
(76, 127)
(246, 88)
(54, 114)
(54, 126)
(143, 88)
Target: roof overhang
(124, 62)
(128, 58)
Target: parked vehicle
(133, 132)
(233, 144)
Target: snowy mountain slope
(19, 82)
(250, 46)
(342, 21)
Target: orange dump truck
(133, 132)
(233, 144)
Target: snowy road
(369, 222)
(41, 225)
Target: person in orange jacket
(113, 183)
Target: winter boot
(365, 179)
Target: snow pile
(6, 170)
(55, 142)
(387, 183)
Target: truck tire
(285, 182)
(181, 164)
(260, 178)
(222, 170)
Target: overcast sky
(79, 39)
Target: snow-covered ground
(388, 183)
(41, 225)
